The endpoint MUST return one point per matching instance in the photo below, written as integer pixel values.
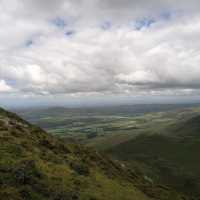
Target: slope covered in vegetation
(171, 159)
(37, 166)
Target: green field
(105, 127)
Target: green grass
(162, 145)
(169, 160)
(37, 166)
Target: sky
(82, 52)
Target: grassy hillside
(37, 166)
(190, 128)
(172, 158)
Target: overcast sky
(80, 51)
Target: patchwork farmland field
(105, 127)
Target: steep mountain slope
(37, 166)
(171, 159)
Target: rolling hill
(171, 158)
(37, 166)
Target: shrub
(80, 168)
(9, 193)
(26, 172)
(2, 123)
(67, 196)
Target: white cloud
(4, 87)
(38, 57)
